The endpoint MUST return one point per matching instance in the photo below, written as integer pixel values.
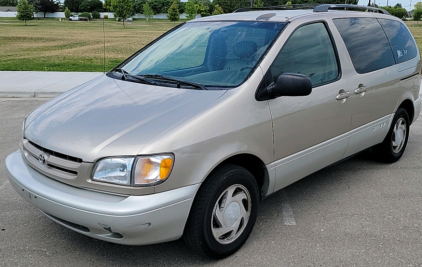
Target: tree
(160, 6)
(8, 2)
(138, 6)
(96, 5)
(107, 5)
(148, 13)
(203, 10)
(418, 5)
(91, 6)
(258, 3)
(84, 7)
(231, 5)
(396, 11)
(417, 14)
(173, 12)
(218, 10)
(191, 9)
(47, 6)
(122, 9)
(398, 5)
(73, 5)
(25, 11)
(67, 13)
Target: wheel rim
(399, 135)
(231, 214)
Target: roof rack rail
(316, 8)
(326, 7)
(280, 7)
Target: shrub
(396, 11)
(86, 15)
(95, 15)
(105, 16)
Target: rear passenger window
(402, 43)
(366, 42)
(308, 51)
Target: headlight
(114, 170)
(134, 171)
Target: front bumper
(417, 105)
(129, 220)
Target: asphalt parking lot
(357, 213)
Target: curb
(29, 94)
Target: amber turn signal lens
(165, 168)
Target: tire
(394, 144)
(223, 213)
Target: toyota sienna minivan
(185, 137)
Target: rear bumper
(129, 220)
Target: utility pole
(410, 8)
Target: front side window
(402, 43)
(366, 42)
(308, 51)
(214, 54)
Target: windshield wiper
(178, 82)
(126, 75)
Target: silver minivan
(186, 136)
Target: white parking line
(286, 209)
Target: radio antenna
(104, 58)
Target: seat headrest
(244, 49)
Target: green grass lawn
(53, 45)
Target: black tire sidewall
(235, 176)
(401, 113)
(384, 151)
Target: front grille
(51, 163)
(71, 170)
(57, 154)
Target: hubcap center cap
(231, 214)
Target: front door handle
(360, 90)
(342, 95)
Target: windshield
(213, 54)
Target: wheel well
(408, 106)
(255, 166)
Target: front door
(308, 129)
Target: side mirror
(290, 84)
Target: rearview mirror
(290, 84)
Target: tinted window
(366, 42)
(404, 48)
(308, 51)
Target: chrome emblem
(41, 158)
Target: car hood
(108, 117)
